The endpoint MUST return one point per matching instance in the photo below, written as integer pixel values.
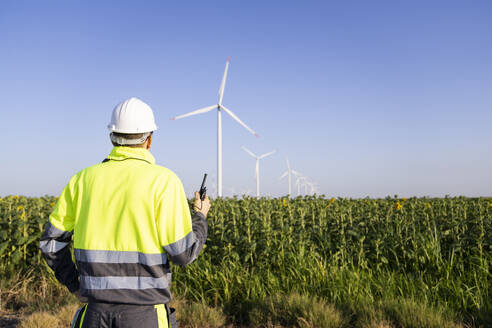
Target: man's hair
(129, 139)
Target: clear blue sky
(367, 98)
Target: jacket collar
(122, 153)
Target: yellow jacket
(128, 218)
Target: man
(129, 218)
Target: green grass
(295, 310)
(39, 301)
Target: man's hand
(82, 299)
(201, 206)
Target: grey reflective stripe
(97, 256)
(89, 282)
(52, 246)
(181, 245)
(53, 232)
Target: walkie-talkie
(203, 189)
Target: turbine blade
(249, 151)
(288, 164)
(283, 175)
(297, 174)
(198, 111)
(222, 84)
(239, 121)
(267, 154)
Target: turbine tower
(289, 174)
(257, 171)
(219, 108)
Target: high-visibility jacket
(129, 218)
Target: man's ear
(149, 141)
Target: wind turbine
(306, 183)
(257, 171)
(288, 173)
(219, 107)
(299, 177)
(314, 188)
(300, 183)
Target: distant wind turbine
(301, 182)
(219, 107)
(314, 188)
(289, 174)
(306, 185)
(257, 171)
(299, 178)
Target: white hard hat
(132, 116)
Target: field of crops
(347, 252)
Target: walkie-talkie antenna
(203, 189)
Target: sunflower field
(348, 252)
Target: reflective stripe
(76, 316)
(97, 256)
(53, 232)
(83, 316)
(122, 269)
(181, 245)
(161, 315)
(89, 282)
(52, 246)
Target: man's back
(129, 218)
(118, 203)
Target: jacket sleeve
(55, 241)
(181, 236)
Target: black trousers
(104, 315)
